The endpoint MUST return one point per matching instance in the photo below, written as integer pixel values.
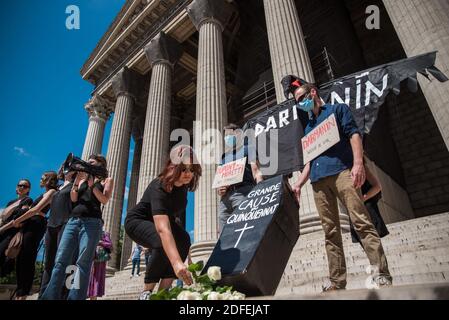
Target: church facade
(167, 64)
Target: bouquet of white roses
(204, 287)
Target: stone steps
(417, 252)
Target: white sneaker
(145, 295)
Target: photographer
(82, 232)
(13, 210)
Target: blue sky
(42, 92)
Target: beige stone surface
(423, 26)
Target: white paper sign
(320, 139)
(229, 173)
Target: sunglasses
(189, 169)
(23, 186)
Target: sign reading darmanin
(320, 139)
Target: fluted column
(99, 112)
(287, 45)
(132, 195)
(209, 17)
(423, 26)
(162, 52)
(289, 56)
(124, 85)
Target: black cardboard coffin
(256, 243)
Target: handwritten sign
(229, 173)
(320, 139)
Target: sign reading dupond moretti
(258, 238)
(229, 173)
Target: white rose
(188, 295)
(214, 296)
(183, 295)
(238, 295)
(214, 273)
(227, 296)
(196, 296)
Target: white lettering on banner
(229, 173)
(320, 139)
(282, 118)
(370, 88)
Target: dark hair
(231, 126)
(175, 165)
(101, 160)
(61, 175)
(51, 180)
(29, 184)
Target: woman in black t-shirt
(33, 225)
(81, 233)
(152, 223)
(14, 209)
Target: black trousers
(6, 264)
(33, 231)
(144, 232)
(52, 238)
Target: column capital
(163, 49)
(98, 107)
(217, 11)
(127, 82)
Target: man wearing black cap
(339, 173)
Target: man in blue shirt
(232, 196)
(339, 173)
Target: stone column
(423, 26)
(287, 45)
(289, 56)
(99, 112)
(125, 85)
(209, 17)
(162, 52)
(133, 186)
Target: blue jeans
(136, 263)
(84, 234)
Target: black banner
(364, 92)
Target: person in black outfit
(33, 224)
(81, 233)
(14, 209)
(371, 191)
(60, 209)
(152, 222)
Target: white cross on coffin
(242, 230)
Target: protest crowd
(67, 217)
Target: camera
(73, 163)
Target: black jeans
(33, 231)
(144, 232)
(52, 238)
